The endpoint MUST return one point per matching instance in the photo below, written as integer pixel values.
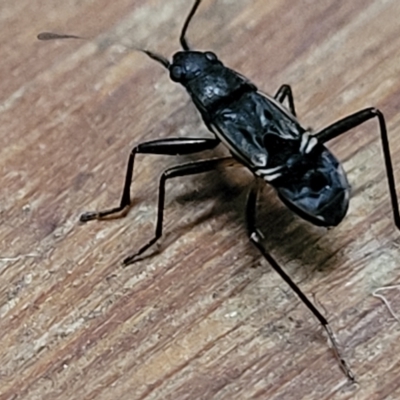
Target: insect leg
(256, 237)
(352, 121)
(170, 146)
(192, 168)
(285, 91)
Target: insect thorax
(217, 88)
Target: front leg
(171, 146)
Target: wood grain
(206, 317)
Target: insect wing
(247, 126)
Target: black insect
(262, 135)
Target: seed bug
(262, 135)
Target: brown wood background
(206, 318)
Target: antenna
(51, 36)
(54, 36)
(182, 38)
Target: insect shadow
(227, 190)
(263, 135)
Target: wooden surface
(206, 318)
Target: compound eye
(176, 73)
(210, 56)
